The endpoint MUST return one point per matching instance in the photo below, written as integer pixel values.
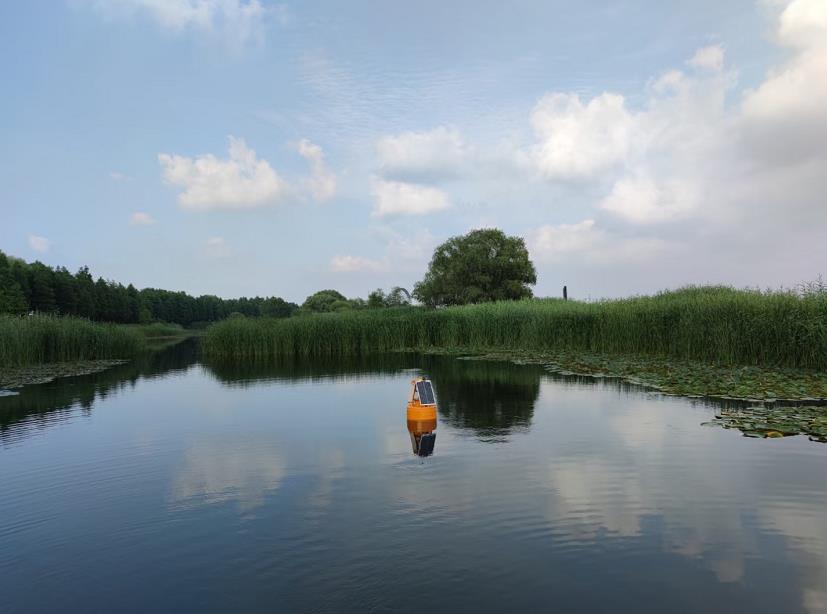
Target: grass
(37, 339)
(715, 325)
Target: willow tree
(483, 265)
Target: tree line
(36, 287)
(27, 287)
(482, 266)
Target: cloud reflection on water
(216, 471)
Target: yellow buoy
(421, 416)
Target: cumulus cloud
(241, 181)
(709, 58)
(39, 244)
(139, 218)
(702, 179)
(422, 156)
(402, 198)
(351, 264)
(653, 159)
(237, 21)
(803, 24)
(639, 199)
(784, 119)
(578, 140)
(322, 183)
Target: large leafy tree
(325, 300)
(483, 265)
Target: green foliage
(397, 297)
(12, 298)
(42, 338)
(324, 301)
(37, 287)
(331, 301)
(711, 324)
(376, 299)
(481, 266)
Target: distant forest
(26, 287)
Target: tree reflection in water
(43, 405)
(490, 399)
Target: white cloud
(236, 21)
(351, 264)
(322, 182)
(803, 24)
(401, 198)
(586, 243)
(39, 244)
(578, 140)
(709, 58)
(784, 119)
(703, 180)
(116, 176)
(423, 156)
(550, 242)
(139, 218)
(639, 199)
(241, 181)
(653, 160)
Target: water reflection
(249, 372)
(41, 406)
(242, 487)
(215, 471)
(490, 399)
(421, 417)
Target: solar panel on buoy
(426, 392)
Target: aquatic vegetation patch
(17, 377)
(775, 421)
(673, 376)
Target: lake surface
(171, 484)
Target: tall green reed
(714, 324)
(34, 339)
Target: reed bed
(719, 325)
(35, 339)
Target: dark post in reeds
(565, 293)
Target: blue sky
(236, 147)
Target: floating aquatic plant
(775, 421)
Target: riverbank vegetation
(37, 339)
(693, 341)
(718, 325)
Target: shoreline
(670, 376)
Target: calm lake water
(172, 484)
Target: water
(169, 484)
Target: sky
(246, 147)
